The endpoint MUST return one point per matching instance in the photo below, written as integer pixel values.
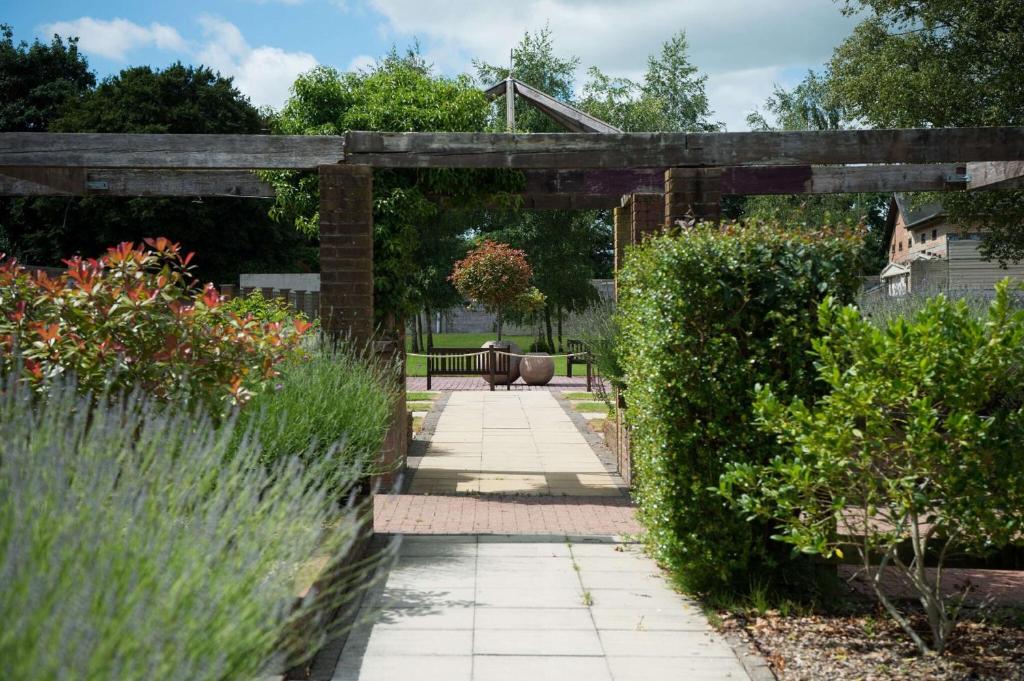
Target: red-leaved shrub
(137, 317)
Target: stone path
(500, 608)
(509, 442)
(562, 596)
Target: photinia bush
(136, 317)
(494, 275)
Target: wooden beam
(653, 150)
(998, 175)
(608, 182)
(39, 181)
(110, 150)
(755, 180)
(569, 202)
(569, 116)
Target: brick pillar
(623, 235)
(693, 194)
(648, 215)
(346, 251)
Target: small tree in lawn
(493, 275)
(917, 442)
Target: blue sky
(745, 46)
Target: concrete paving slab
(533, 642)
(539, 668)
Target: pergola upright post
(346, 252)
(648, 215)
(622, 218)
(693, 194)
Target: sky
(744, 46)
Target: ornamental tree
(493, 275)
(917, 443)
(135, 317)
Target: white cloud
(361, 62)
(114, 38)
(741, 45)
(263, 73)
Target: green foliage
(136, 317)
(178, 99)
(941, 63)
(275, 310)
(39, 81)
(132, 548)
(351, 407)
(704, 317)
(917, 439)
(400, 93)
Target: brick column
(648, 215)
(693, 194)
(346, 251)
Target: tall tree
(811, 105)
(399, 93)
(229, 235)
(39, 81)
(941, 63)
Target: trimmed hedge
(705, 317)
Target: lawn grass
(421, 396)
(419, 406)
(417, 366)
(587, 397)
(591, 407)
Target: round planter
(537, 368)
(504, 346)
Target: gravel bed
(864, 644)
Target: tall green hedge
(705, 317)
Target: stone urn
(537, 368)
(504, 346)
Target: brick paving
(502, 514)
(997, 587)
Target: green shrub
(333, 398)
(263, 310)
(133, 548)
(704, 318)
(918, 441)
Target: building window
(924, 237)
(910, 243)
(935, 234)
(901, 247)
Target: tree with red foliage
(493, 275)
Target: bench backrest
(455, 362)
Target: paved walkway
(561, 597)
(494, 608)
(509, 443)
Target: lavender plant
(132, 547)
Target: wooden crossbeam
(112, 150)
(40, 181)
(995, 175)
(654, 150)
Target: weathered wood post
(346, 291)
(693, 194)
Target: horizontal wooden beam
(111, 150)
(996, 175)
(596, 181)
(654, 150)
(569, 201)
(758, 180)
(39, 181)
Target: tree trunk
(547, 327)
(415, 333)
(560, 328)
(499, 320)
(430, 328)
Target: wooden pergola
(649, 179)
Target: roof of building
(916, 215)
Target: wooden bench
(467, 362)
(575, 348)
